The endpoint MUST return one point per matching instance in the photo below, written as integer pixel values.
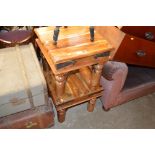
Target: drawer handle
(30, 124)
(140, 53)
(149, 35)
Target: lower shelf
(76, 89)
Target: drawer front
(144, 32)
(25, 123)
(136, 51)
(36, 122)
(42, 117)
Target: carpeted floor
(136, 114)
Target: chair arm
(111, 68)
(112, 80)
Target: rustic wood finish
(60, 84)
(79, 81)
(113, 35)
(86, 73)
(96, 76)
(91, 105)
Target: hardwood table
(73, 66)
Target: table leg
(46, 66)
(91, 105)
(60, 84)
(96, 76)
(61, 115)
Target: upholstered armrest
(113, 79)
(111, 68)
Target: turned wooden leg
(46, 67)
(61, 115)
(60, 85)
(96, 75)
(91, 105)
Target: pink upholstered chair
(123, 83)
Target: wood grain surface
(79, 81)
(73, 43)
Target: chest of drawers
(138, 46)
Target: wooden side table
(73, 67)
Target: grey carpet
(136, 114)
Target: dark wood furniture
(13, 36)
(38, 118)
(134, 45)
(144, 32)
(138, 46)
(73, 66)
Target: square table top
(73, 43)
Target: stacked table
(73, 66)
